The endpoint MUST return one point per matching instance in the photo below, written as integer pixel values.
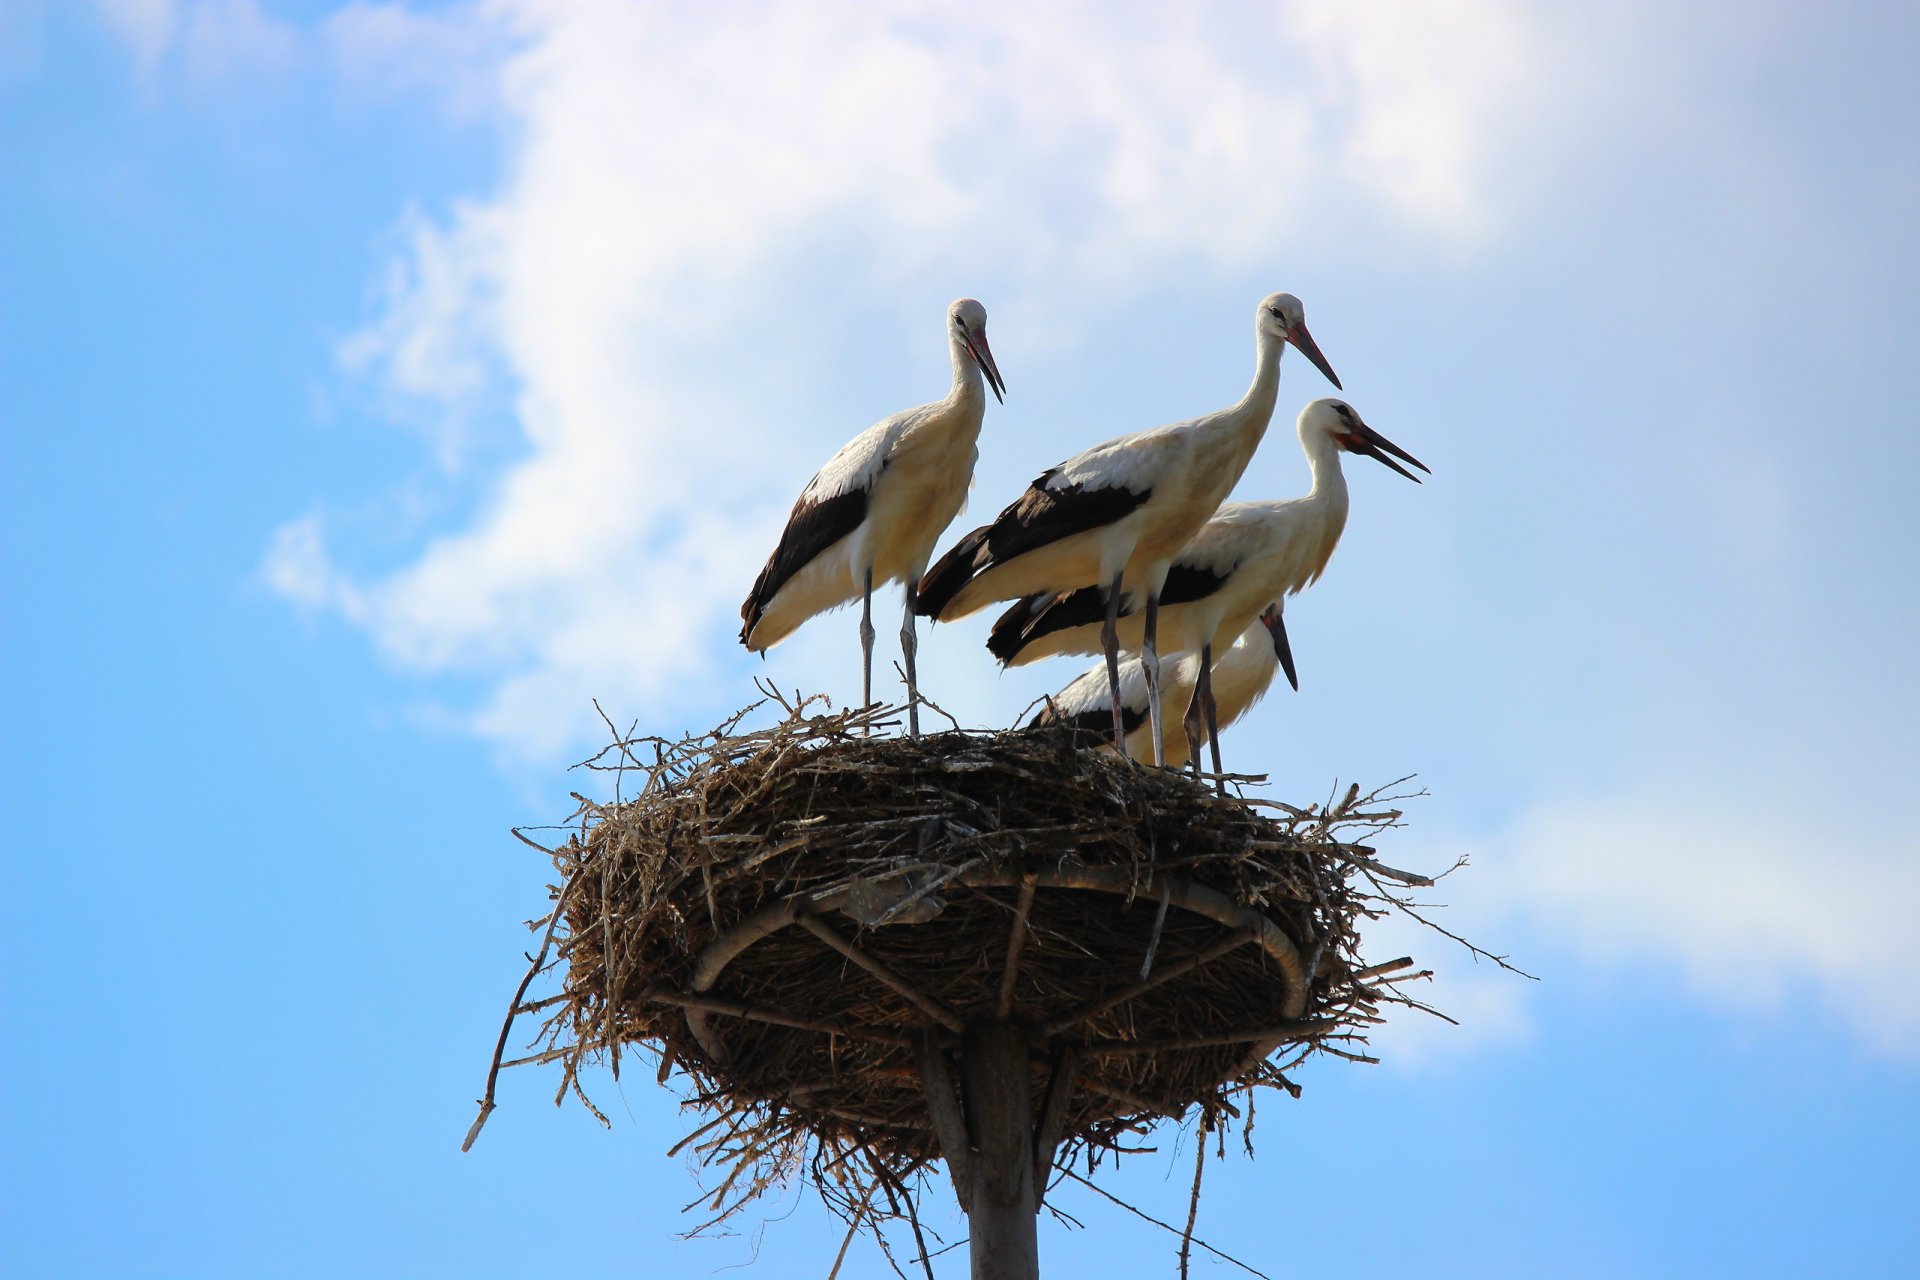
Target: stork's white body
(1115, 515)
(1241, 677)
(1250, 556)
(1255, 552)
(1180, 475)
(873, 513)
(915, 468)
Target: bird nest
(802, 918)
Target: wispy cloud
(678, 173)
(696, 197)
(1753, 904)
(149, 28)
(213, 40)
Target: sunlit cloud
(675, 210)
(695, 199)
(1766, 909)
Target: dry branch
(801, 919)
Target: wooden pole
(1002, 1203)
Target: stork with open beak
(1113, 518)
(1249, 556)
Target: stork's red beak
(983, 356)
(1364, 439)
(1277, 625)
(1300, 338)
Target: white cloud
(213, 39)
(432, 350)
(298, 567)
(148, 26)
(1759, 904)
(387, 49)
(1754, 905)
(677, 178)
(225, 38)
(696, 197)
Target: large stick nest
(794, 917)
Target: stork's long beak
(1300, 338)
(1277, 625)
(1364, 439)
(983, 356)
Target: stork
(1240, 679)
(873, 513)
(1249, 555)
(1114, 516)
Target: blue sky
(380, 383)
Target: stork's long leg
(1150, 661)
(1213, 718)
(908, 644)
(1110, 642)
(866, 640)
(1194, 721)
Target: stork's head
(1283, 318)
(1272, 619)
(967, 325)
(1338, 421)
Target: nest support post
(992, 1145)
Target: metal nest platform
(817, 927)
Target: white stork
(873, 513)
(1248, 556)
(1239, 680)
(1114, 516)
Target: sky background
(380, 383)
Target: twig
(1167, 1227)
(1159, 922)
(1193, 1197)
(778, 1017)
(1016, 942)
(1305, 1029)
(500, 1045)
(1178, 969)
(920, 1000)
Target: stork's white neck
(1323, 458)
(968, 382)
(1255, 408)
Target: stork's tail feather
(952, 572)
(755, 605)
(1041, 615)
(1010, 629)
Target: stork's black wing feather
(1040, 516)
(1041, 615)
(1038, 616)
(1187, 583)
(815, 525)
(1097, 720)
